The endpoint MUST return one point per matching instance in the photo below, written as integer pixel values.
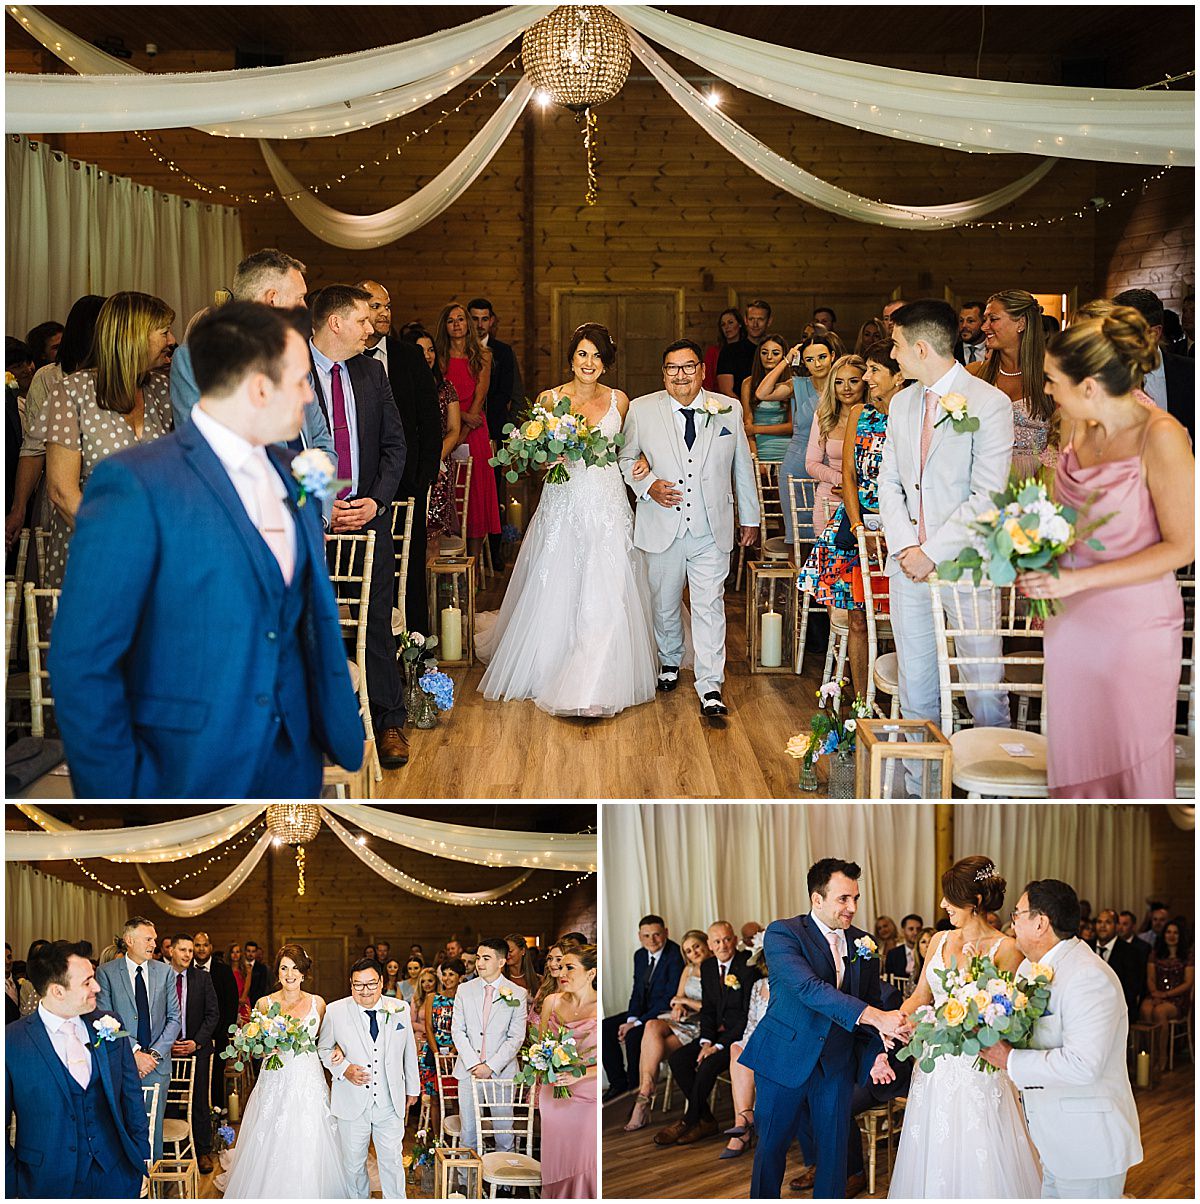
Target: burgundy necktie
(341, 429)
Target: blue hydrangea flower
(831, 742)
(440, 687)
(1003, 1002)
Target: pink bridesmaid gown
(569, 1127)
(483, 506)
(1113, 655)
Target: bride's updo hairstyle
(599, 338)
(973, 882)
(1115, 348)
(300, 959)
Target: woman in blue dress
(769, 420)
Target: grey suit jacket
(116, 995)
(505, 1028)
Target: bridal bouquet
(267, 1035)
(553, 436)
(548, 1054)
(1023, 530)
(985, 1005)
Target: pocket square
(726, 431)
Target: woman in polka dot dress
(119, 402)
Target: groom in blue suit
(81, 1123)
(804, 1052)
(197, 652)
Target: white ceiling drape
(1116, 125)
(189, 908)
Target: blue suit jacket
(37, 1090)
(116, 995)
(806, 1005)
(163, 655)
(648, 1001)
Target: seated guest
(391, 978)
(750, 930)
(741, 1078)
(731, 328)
(242, 968)
(768, 420)
(198, 1017)
(1157, 915)
(869, 333)
(924, 939)
(442, 517)
(27, 994)
(1127, 935)
(673, 1029)
(577, 937)
(1170, 381)
(1170, 976)
(12, 1001)
(427, 987)
(657, 966)
(1127, 965)
(369, 953)
(453, 948)
(726, 980)
(887, 936)
(408, 984)
(519, 967)
(261, 981)
(43, 342)
(225, 987)
(900, 958)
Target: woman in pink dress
(467, 365)
(843, 388)
(569, 1125)
(1113, 653)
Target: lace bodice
(760, 996)
(937, 962)
(692, 988)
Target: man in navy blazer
(77, 1099)
(657, 967)
(190, 657)
(804, 1051)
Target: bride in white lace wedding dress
(964, 1134)
(575, 632)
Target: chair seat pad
(981, 766)
(397, 621)
(508, 1167)
(1185, 767)
(887, 673)
(453, 1126)
(839, 619)
(176, 1130)
(452, 544)
(775, 548)
(354, 674)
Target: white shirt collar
(232, 450)
(941, 386)
(1107, 945)
(697, 403)
(132, 967)
(53, 1023)
(826, 931)
(1053, 954)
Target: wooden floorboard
(635, 1168)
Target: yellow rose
(988, 516)
(982, 999)
(1017, 533)
(953, 1013)
(1020, 1003)
(252, 1030)
(532, 430)
(1040, 971)
(955, 404)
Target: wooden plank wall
(1173, 856)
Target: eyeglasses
(681, 369)
(365, 986)
(1027, 912)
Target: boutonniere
(865, 949)
(955, 405)
(316, 475)
(509, 997)
(711, 408)
(732, 982)
(108, 1029)
(10, 381)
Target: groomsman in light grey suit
(693, 440)
(932, 480)
(138, 990)
(488, 1028)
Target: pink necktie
(836, 946)
(341, 428)
(931, 401)
(488, 992)
(271, 518)
(78, 1061)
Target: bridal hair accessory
(986, 874)
(108, 1028)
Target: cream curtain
(74, 229)
(413, 885)
(484, 846)
(166, 842)
(1115, 125)
(356, 232)
(1101, 849)
(300, 100)
(777, 170)
(206, 902)
(40, 907)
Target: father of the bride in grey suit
(693, 440)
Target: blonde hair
(1117, 349)
(1031, 353)
(123, 329)
(829, 407)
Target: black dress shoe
(712, 705)
(668, 678)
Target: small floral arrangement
(1022, 530)
(267, 1035)
(509, 534)
(549, 1053)
(712, 408)
(985, 1005)
(316, 474)
(552, 437)
(865, 950)
(225, 1136)
(10, 381)
(955, 405)
(440, 688)
(108, 1029)
(509, 997)
(424, 1143)
(829, 730)
(415, 651)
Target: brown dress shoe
(856, 1185)
(671, 1134)
(706, 1128)
(206, 1164)
(393, 748)
(805, 1180)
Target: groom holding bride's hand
(804, 1050)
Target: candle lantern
(885, 747)
(770, 612)
(452, 609)
(457, 1173)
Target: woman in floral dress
(439, 1011)
(442, 516)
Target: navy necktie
(374, 1026)
(689, 427)
(142, 1000)
(371, 351)
(296, 444)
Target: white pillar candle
(770, 642)
(451, 649)
(516, 514)
(1143, 1069)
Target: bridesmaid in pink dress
(1113, 653)
(569, 1125)
(467, 365)
(842, 389)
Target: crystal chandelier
(294, 824)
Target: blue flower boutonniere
(316, 475)
(865, 949)
(108, 1029)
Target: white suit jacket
(961, 470)
(391, 1061)
(505, 1031)
(719, 453)
(1074, 1082)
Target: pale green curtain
(36, 906)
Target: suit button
(678, 507)
(262, 700)
(916, 486)
(275, 719)
(271, 635)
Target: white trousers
(1111, 1188)
(470, 1124)
(354, 1137)
(699, 562)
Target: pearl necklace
(1003, 373)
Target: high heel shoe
(747, 1141)
(740, 1130)
(640, 1115)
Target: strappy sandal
(740, 1130)
(641, 1114)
